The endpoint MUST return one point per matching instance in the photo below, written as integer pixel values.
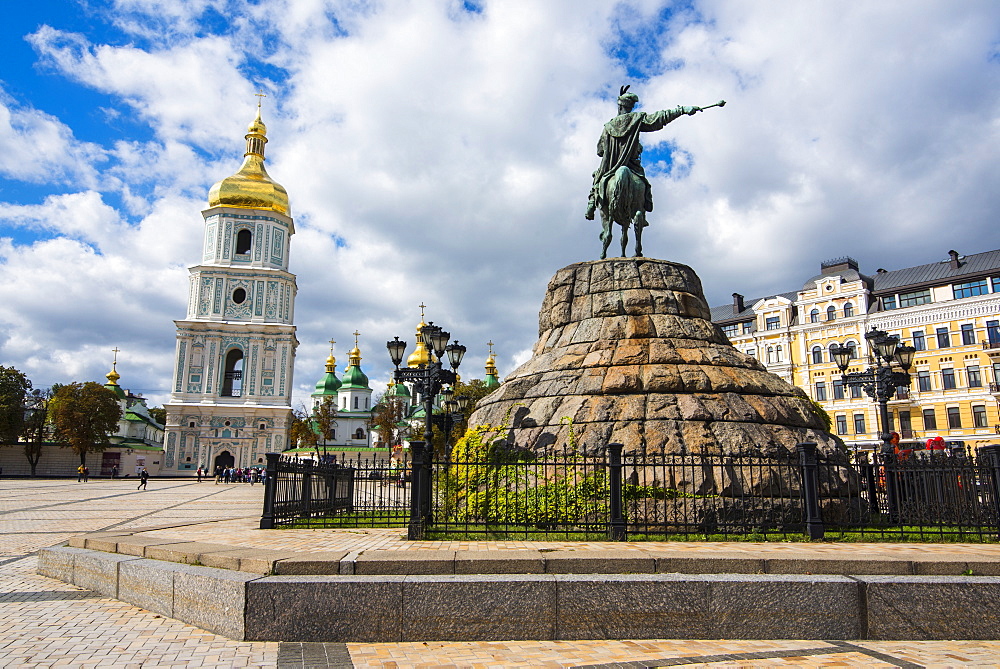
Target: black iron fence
(607, 494)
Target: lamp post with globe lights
(881, 380)
(428, 380)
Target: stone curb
(522, 561)
(488, 607)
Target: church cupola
(355, 393)
(113, 377)
(251, 187)
(329, 384)
(492, 379)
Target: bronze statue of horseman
(621, 190)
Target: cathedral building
(351, 398)
(230, 400)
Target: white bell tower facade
(231, 397)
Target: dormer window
(772, 322)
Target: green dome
(329, 384)
(355, 378)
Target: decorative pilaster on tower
(231, 395)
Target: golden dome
(251, 187)
(421, 356)
(331, 364)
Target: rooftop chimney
(738, 305)
(954, 259)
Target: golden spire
(355, 355)
(421, 356)
(251, 187)
(113, 375)
(491, 361)
(331, 362)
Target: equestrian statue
(621, 190)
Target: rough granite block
(599, 562)
(311, 563)
(765, 606)
(98, 571)
(984, 567)
(933, 607)
(935, 566)
(325, 608)
(842, 566)
(405, 562)
(57, 562)
(499, 562)
(149, 584)
(463, 607)
(136, 544)
(186, 552)
(633, 606)
(684, 563)
(79, 541)
(105, 544)
(212, 599)
(252, 560)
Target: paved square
(47, 623)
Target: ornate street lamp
(881, 380)
(429, 379)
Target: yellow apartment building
(948, 310)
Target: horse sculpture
(620, 188)
(622, 203)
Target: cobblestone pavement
(47, 623)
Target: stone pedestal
(627, 353)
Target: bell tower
(231, 396)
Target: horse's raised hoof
(638, 255)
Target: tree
(325, 420)
(36, 425)
(14, 388)
(84, 416)
(300, 432)
(389, 419)
(159, 414)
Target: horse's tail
(627, 195)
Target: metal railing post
(270, 488)
(991, 455)
(617, 527)
(810, 489)
(306, 497)
(415, 529)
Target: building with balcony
(948, 310)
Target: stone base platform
(589, 591)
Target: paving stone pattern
(48, 623)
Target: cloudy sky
(440, 151)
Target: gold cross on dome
(116, 351)
(332, 342)
(260, 95)
(490, 344)
(422, 307)
(356, 335)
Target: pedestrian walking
(199, 474)
(143, 479)
(114, 471)
(86, 474)
(79, 474)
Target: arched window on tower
(831, 313)
(817, 352)
(814, 316)
(848, 310)
(244, 241)
(232, 381)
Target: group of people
(249, 475)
